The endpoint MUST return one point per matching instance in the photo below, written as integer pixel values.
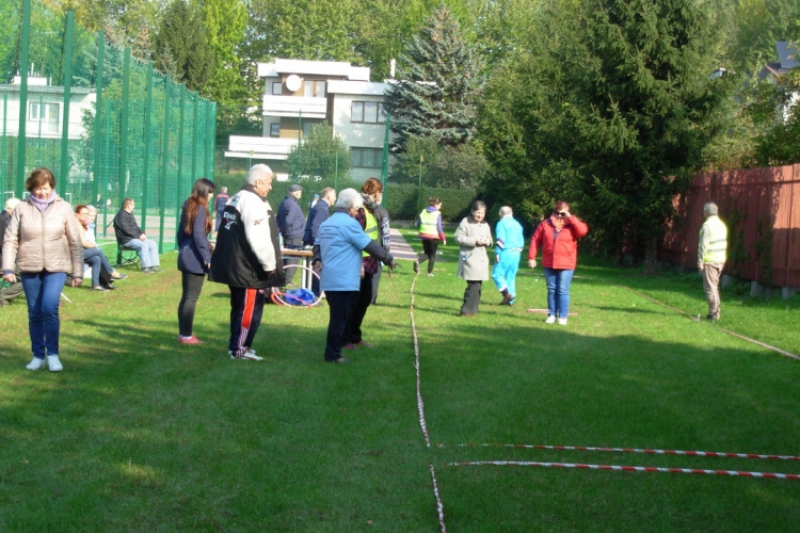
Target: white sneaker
(249, 355)
(35, 364)
(551, 319)
(562, 321)
(54, 364)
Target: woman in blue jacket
(194, 255)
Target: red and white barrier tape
(729, 332)
(687, 453)
(439, 506)
(767, 475)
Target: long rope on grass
(439, 506)
(688, 453)
(421, 408)
(729, 332)
(420, 403)
(623, 468)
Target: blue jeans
(504, 273)
(148, 251)
(558, 282)
(43, 292)
(97, 259)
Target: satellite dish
(293, 82)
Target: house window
(275, 129)
(45, 114)
(307, 126)
(314, 89)
(366, 157)
(367, 112)
(277, 87)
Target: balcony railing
(292, 106)
(259, 147)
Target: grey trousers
(711, 274)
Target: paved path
(400, 248)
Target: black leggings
(429, 247)
(192, 287)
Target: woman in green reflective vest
(375, 221)
(431, 232)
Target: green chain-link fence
(106, 124)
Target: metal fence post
(194, 135)
(148, 112)
(67, 83)
(107, 174)
(212, 138)
(3, 147)
(123, 133)
(182, 90)
(164, 162)
(98, 119)
(25, 43)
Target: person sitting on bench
(130, 235)
(103, 273)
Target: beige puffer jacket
(43, 241)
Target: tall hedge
(403, 201)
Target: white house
(299, 94)
(45, 113)
(788, 59)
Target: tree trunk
(651, 257)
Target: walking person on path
(711, 255)
(431, 232)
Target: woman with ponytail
(194, 255)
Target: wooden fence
(761, 208)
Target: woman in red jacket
(558, 236)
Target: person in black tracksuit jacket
(247, 258)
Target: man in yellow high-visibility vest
(711, 255)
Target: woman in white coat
(473, 236)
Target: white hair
(257, 173)
(12, 203)
(349, 199)
(505, 211)
(710, 209)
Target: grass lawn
(141, 434)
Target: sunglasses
(561, 214)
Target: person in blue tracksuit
(508, 247)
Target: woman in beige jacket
(473, 236)
(43, 235)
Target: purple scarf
(43, 204)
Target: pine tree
(181, 47)
(440, 79)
